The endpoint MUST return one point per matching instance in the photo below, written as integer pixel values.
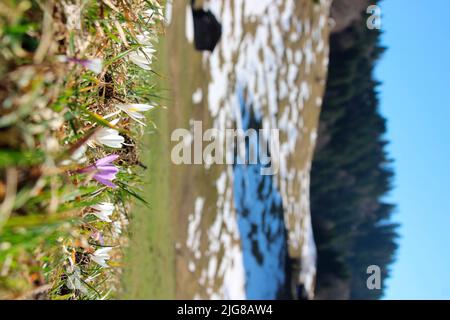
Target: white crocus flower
(95, 65)
(155, 13)
(142, 57)
(100, 256)
(117, 228)
(74, 280)
(108, 137)
(103, 211)
(134, 110)
(78, 156)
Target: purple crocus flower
(104, 172)
(96, 235)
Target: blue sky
(415, 98)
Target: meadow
(77, 92)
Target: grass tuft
(64, 66)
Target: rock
(345, 12)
